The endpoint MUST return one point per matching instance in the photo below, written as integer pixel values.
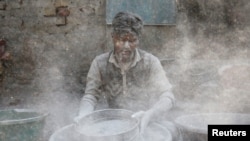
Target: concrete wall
(205, 55)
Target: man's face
(124, 46)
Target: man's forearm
(163, 105)
(87, 105)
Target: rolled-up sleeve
(159, 81)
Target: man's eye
(132, 40)
(125, 40)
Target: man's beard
(125, 56)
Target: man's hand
(81, 115)
(144, 118)
(77, 119)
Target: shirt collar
(135, 60)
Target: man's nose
(126, 44)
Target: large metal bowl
(21, 125)
(194, 126)
(108, 125)
(155, 132)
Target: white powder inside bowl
(106, 127)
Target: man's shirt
(142, 85)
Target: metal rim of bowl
(39, 116)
